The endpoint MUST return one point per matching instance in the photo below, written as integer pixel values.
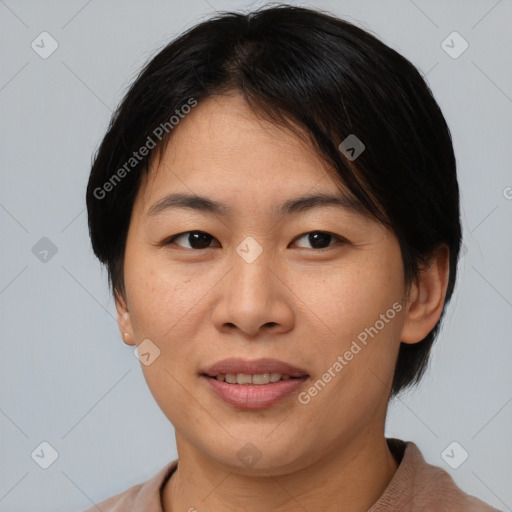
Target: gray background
(67, 377)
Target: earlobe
(123, 321)
(426, 298)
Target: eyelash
(338, 240)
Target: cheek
(345, 302)
(360, 311)
(167, 306)
(164, 305)
(160, 298)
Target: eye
(201, 240)
(320, 239)
(196, 239)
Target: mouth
(253, 384)
(246, 379)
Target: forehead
(223, 148)
(222, 128)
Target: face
(317, 289)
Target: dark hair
(297, 67)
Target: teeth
(245, 378)
(261, 378)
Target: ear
(426, 297)
(123, 319)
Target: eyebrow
(299, 204)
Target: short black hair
(297, 67)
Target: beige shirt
(415, 487)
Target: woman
(277, 205)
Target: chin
(258, 456)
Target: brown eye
(319, 239)
(195, 239)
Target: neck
(350, 477)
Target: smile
(243, 394)
(247, 378)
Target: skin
(296, 303)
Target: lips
(253, 384)
(256, 367)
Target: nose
(255, 299)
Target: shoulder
(441, 488)
(118, 502)
(143, 497)
(418, 485)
